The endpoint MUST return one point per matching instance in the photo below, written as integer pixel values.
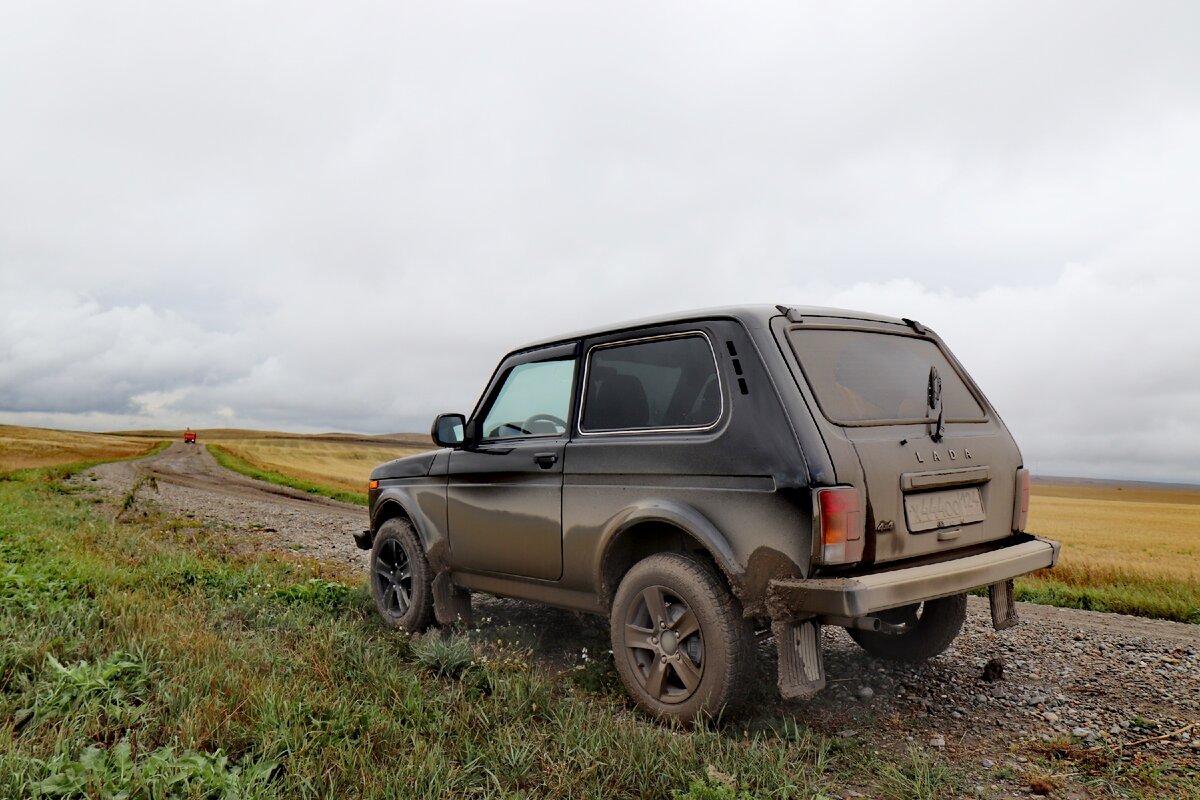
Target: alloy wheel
(393, 574)
(664, 645)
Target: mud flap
(801, 666)
(1004, 610)
(451, 604)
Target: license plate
(932, 510)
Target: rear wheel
(917, 632)
(401, 580)
(681, 646)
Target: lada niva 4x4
(697, 476)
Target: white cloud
(342, 217)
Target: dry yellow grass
(1134, 550)
(342, 464)
(24, 448)
(1116, 530)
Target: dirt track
(191, 484)
(1095, 677)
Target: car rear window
(668, 383)
(876, 378)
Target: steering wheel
(529, 423)
(495, 432)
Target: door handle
(545, 460)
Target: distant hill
(421, 440)
(1101, 489)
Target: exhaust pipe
(858, 623)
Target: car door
(504, 492)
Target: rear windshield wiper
(934, 395)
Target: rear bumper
(862, 595)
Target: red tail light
(1021, 500)
(839, 525)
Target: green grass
(230, 461)
(1142, 596)
(152, 658)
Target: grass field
(227, 459)
(150, 658)
(1132, 550)
(342, 465)
(25, 448)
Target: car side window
(662, 383)
(534, 399)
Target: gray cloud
(319, 218)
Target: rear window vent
(737, 367)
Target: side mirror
(448, 430)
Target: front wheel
(681, 646)
(918, 632)
(401, 580)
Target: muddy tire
(681, 646)
(928, 629)
(401, 580)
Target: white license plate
(932, 510)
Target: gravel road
(1082, 676)
(191, 484)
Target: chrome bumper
(862, 595)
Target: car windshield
(863, 377)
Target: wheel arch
(650, 528)
(423, 507)
(390, 508)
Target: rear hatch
(938, 465)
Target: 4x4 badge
(951, 454)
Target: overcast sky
(339, 216)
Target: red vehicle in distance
(189, 437)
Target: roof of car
(759, 315)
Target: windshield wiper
(934, 395)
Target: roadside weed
(447, 658)
(917, 776)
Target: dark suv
(696, 475)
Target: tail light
(839, 525)
(1021, 500)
